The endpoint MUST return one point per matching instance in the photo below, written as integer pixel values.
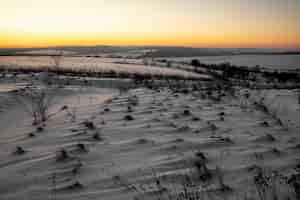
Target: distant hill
(146, 51)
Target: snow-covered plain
(91, 64)
(161, 142)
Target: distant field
(269, 61)
(90, 64)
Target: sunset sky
(197, 23)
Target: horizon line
(150, 46)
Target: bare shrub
(73, 114)
(19, 151)
(220, 176)
(77, 167)
(37, 102)
(89, 125)
(82, 147)
(75, 186)
(62, 155)
(270, 184)
(201, 156)
(186, 112)
(128, 118)
(97, 136)
(203, 172)
(294, 182)
(133, 100)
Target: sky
(195, 23)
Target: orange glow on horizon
(195, 23)
(227, 41)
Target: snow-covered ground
(91, 64)
(159, 143)
(282, 102)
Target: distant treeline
(196, 52)
(228, 71)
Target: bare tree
(51, 78)
(37, 102)
(196, 64)
(57, 60)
